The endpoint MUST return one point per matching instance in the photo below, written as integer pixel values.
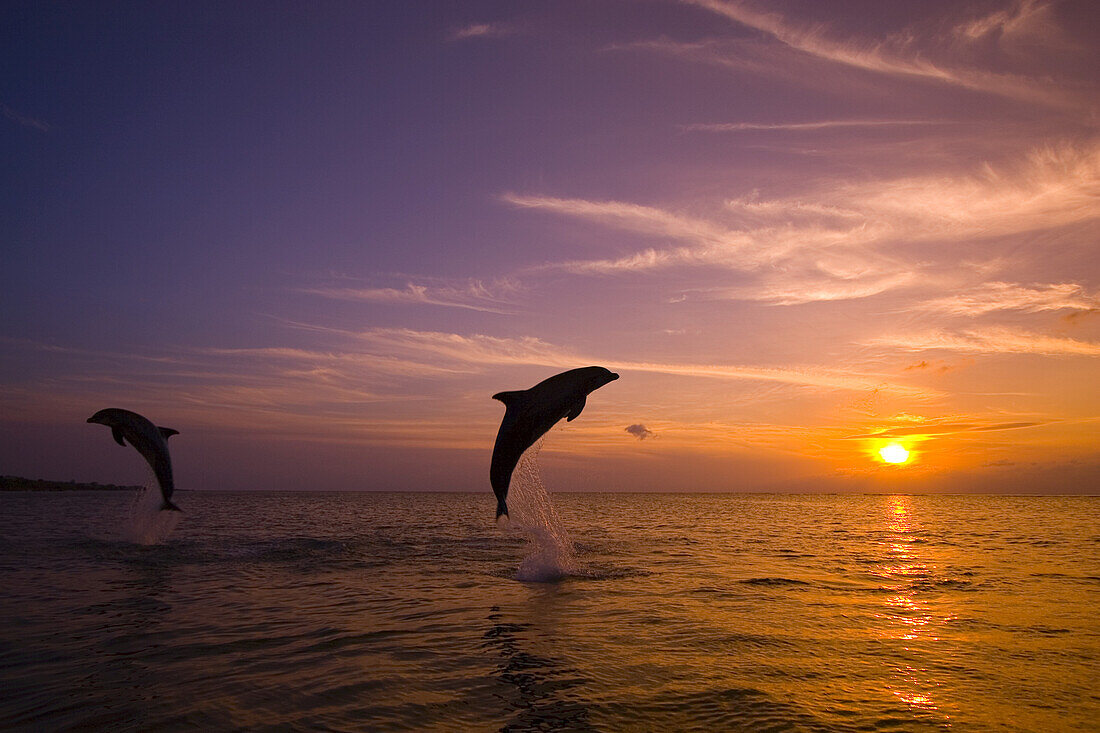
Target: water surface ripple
(357, 611)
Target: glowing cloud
(996, 296)
(995, 340)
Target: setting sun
(894, 453)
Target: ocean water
(666, 612)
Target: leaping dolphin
(531, 412)
(151, 442)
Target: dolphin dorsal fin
(168, 432)
(575, 410)
(509, 397)
(117, 434)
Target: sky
(315, 238)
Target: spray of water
(549, 553)
(146, 523)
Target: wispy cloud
(482, 30)
(344, 385)
(24, 120)
(897, 55)
(990, 341)
(475, 349)
(263, 389)
(639, 431)
(1023, 23)
(806, 377)
(800, 251)
(473, 295)
(943, 427)
(442, 348)
(998, 296)
(1051, 186)
(831, 241)
(800, 126)
(648, 220)
(827, 277)
(709, 242)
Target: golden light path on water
(911, 620)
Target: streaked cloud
(995, 340)
(898, 55)
(473, 295)
(943, 427)
(24, 120)
(710, 242)
(647, 220)
(1052, 185)
(482, 30)
(841, 228)
(809, 283)
(1023, 23)
(997, 296)
(800, 126)
(496, 351)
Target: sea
(311, 611)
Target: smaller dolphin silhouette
(151, 442)
(531, 412)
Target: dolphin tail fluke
(509, 397)
(502, 508)
(168, 506)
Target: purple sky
(315, 238)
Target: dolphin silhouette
(531, 412)
(151, 442)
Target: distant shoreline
(18, 483)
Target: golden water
(363, 611)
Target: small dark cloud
(928, 366)
(639, 431)
(1007, 426)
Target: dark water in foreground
(687, 612)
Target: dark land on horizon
(18, 483)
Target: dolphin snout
(614, 376)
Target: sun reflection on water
(910, 618)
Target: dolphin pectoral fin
(168, 432)
(117, 434)
(575, 410)
(509, 397)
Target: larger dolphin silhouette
(151, 442)
(531, 412)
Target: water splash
(550, 552)
(147, 524)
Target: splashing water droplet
(550, 552)
(147, 524)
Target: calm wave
(683, 612)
